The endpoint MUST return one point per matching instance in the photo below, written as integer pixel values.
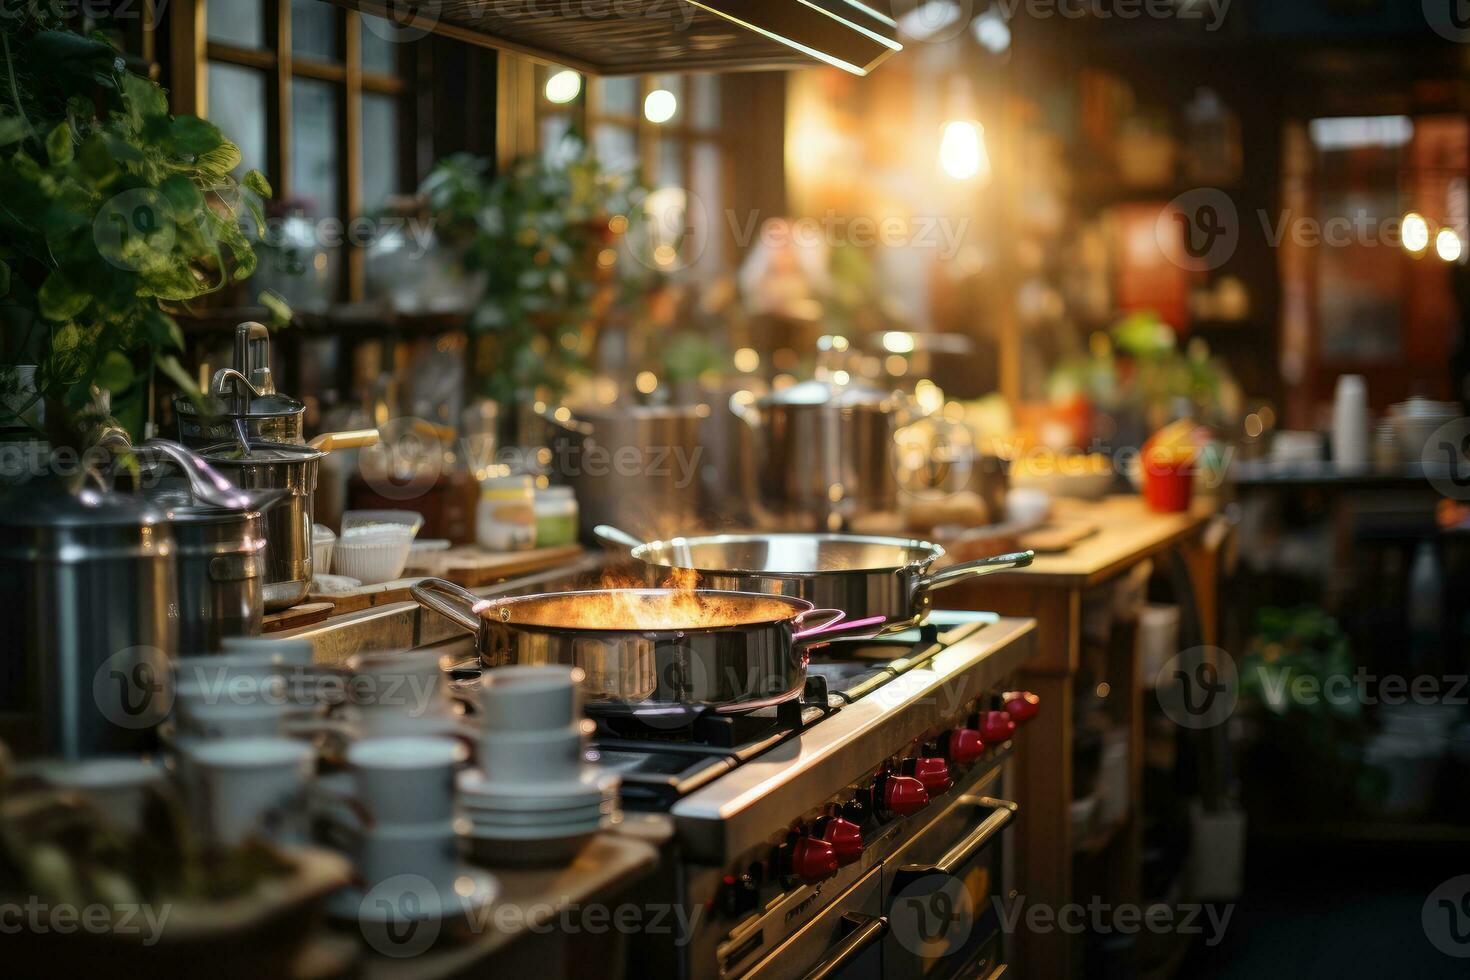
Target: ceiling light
(563, 87)
(660, 106)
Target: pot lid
(263, 406)
(818, 392)
(205, 494)
(47, 505)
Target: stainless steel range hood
(624, 37)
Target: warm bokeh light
(896, 365)
(1448, 246)
(607, 258)
(992, 31)
(563, 87)
(660, 106)
(841, 377)
(962, 151)
(1415, 232)
(747, 359)
(646, 382)
(898, 342)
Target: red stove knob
(845, 837)
(933, 772)
(813, 860)
(903, 795)
(965, 745)
(996, 726)
(1022, 706)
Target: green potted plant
(113, 209)
(542, 233)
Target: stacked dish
(374, 544)
(535, 800)
(1415, 421)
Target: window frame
(276, 60)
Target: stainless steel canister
(89, 579)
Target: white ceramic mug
(553, 756)
(430, 850)
(530, 698)
(408, 780)
(116, 785)
(408, 684)
(237, 783)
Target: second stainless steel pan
(868, 576)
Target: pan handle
(616, 536)
(459, 605)
(351, 439)
(970, 569)
(836, 629)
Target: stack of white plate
(515, 823)
(534, 799)
(1415, 421)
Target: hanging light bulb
(660, 106)
(563, 87)
(962, 151)
(1448, 246)
(1415, 232)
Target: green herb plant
(111, 209)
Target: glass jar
(556, 517)
(506, 517)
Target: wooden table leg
(1044, 828)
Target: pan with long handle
(666, 655)
(867, 575)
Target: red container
(1167, 486)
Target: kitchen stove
(804, 832)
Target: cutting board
(473, 567)
(307, 613)
(1055, 537)
(366, 596)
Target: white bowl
(370, 557)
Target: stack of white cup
(535, 799)
(399, 694)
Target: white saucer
(555, 820)
(542, 831)
(447, 900)
(594, 784)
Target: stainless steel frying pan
(868, 576)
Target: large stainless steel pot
(825, 456)
(220, 540)
(636, 466)
(753, 655)
(867, 575)
(244, 395)
(89, 581)
(293, 470)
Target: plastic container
(323, 540)
(1167, 486)
(556, 517)
(374, 545)
(506, 517)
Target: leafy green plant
(536, 232)
(110, 208)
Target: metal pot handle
(441, 595)
(970, 569)
(351, 439)
(617, 536)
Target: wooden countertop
(1127, 532)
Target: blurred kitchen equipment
(1415, 421)
(90, 580)
(323, 540)
(374, 545)
(824, 454)
(1350, 424)
(633, 465)
(244, 393)
(665, 656)
(219, 536)
(867, 575)
(293, 469)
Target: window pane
(380, 177)
(379, 52)
(706, 205)
(620, 97)
(553, 128)
(670, 163)
(314, 182)
(314, 30)
(237, 105)
(705, 101)
(616, 146)
(239, 22)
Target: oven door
(843, 943)
(943, 893)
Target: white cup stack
(260, 689)
(399, 694)
(396, 811)
(535, 799)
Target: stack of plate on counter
(534, 799)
